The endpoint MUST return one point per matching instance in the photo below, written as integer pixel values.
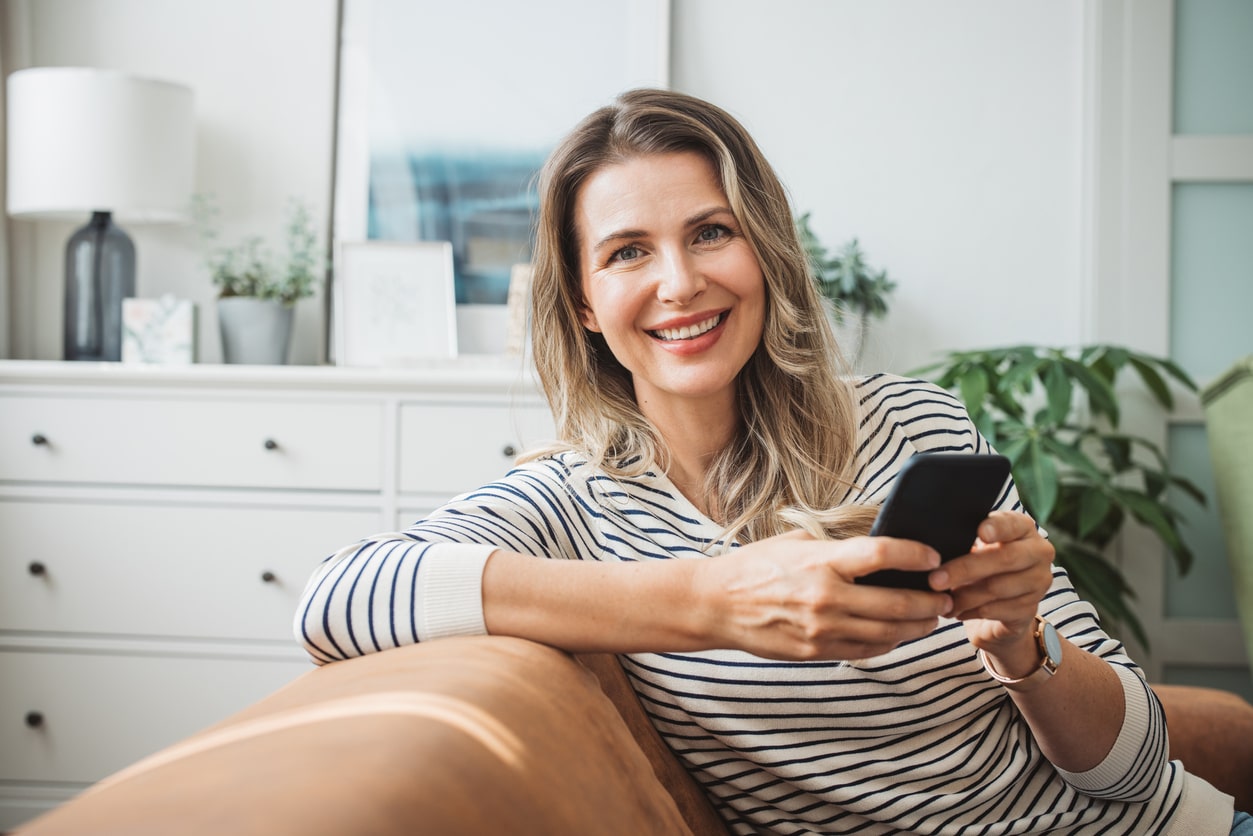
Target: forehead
(646, 189)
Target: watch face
(1052, 644)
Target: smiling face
(669, 280)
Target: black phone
(938, 499)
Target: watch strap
(1045, 671)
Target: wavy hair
(791, 462)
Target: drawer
(332, 445)
(101, 712)
(447, 449)
(164, 570)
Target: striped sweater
(919, 740)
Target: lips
(688, 332)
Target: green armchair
(1228, 405)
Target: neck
(694, 433)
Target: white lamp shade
(85, 140)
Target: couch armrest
(459, 736)
(1211, 732)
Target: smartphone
(938, 499)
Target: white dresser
(157, 525)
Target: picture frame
(441, 140)
(394, 303)
(518, 308)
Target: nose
(680, 280)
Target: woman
(709, 498)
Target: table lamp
(98, 143)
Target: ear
(588, 319)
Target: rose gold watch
(1050, 645)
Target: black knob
(268, 576)
(39, 440)
(271, 444)
(36, 568)
(510, 451)
(34, 719)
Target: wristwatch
(1050, 645)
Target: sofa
(473, 736)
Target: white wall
(946, 136)
(263, 73)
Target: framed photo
(394, 303)
(448, 110)
(519, 300)
(159, 331)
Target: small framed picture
(394, 303)
(159, 331)
(519, 300)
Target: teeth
(689, 331)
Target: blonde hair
(791, 463)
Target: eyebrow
(629, 234)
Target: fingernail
(939, 579)
(948, 605)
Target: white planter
(254, 331)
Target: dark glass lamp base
(99, 274)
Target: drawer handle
(39, 440)
(269, 577)
(34, 720)
(270, 444)
(509, 451)
(37, 568)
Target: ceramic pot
(254, 331)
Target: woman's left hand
(997, 588)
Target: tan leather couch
(476, 736)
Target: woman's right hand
(794, 597)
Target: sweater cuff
(449, 593)
(1128, 748)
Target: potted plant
(257, 291)
(851, 285)
(1055, 413)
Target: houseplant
(1055, 413)
(851, 285)
(256, 290)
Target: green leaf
(1154, 382)
(1036, 476)
(1094, 506)
(1013, 450)
(1100, 394)
(1118, 449)
(974, 388)
(1101, 583)
(1159, 518)
(1189, 487)
(1057, 385)
(1073, 457)
(1174, 371)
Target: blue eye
(626, 253)
(712, 233)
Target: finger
(861, 638)
(1031, 583)
(886, 604)
(1005, 526)
(1008, 611)
(1023, 555)
(863, 555)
